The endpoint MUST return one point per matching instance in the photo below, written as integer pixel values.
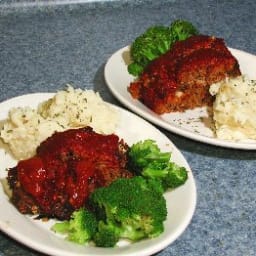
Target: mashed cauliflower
(26, 128)
(234, 109)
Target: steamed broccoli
(128, 208)
(144, 152)
(80, 228)
(107, 236)
(170, 174)
(182, 29)
(155, 41)
(146, 159)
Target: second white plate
(194, 124)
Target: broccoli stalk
(80, 228)
(128, 208)
(155, 41)
(146, 159)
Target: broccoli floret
(128, 208)
(144, 152)
(155, 41)
(146, 159)
(80, 228)
(170, 174)
(107, 235)
(182, 29)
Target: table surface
(47, 44)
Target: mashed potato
(26, 128)
(234, 109)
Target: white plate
(36, 234)
(194, 124)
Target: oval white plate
(194, 124)
(36, 234)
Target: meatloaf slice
(180, 79)
(68, 166)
